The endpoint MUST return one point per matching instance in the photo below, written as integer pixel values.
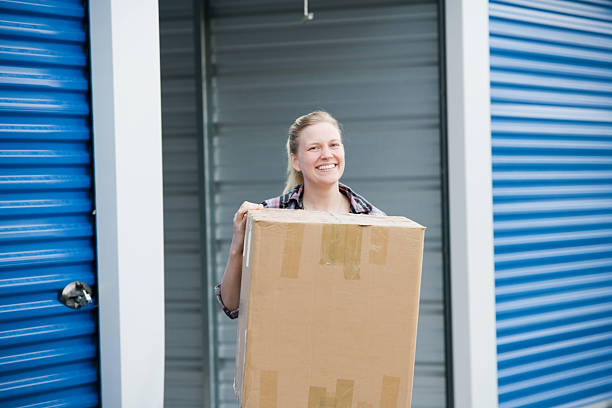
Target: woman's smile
(327, 167)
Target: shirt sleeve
(232, 314)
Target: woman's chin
(325, 181)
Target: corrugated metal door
(372, 64)
(551, 94)
(186, 356)
(48, 352)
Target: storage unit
(48, 352)
(372, 65)
(551, 119)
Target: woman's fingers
(246, 206)
(240, 223)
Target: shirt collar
(358, 204)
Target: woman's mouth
(326, 167)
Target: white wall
(128, 176)
(470, 204)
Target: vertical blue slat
(48, 352)
(551, 111)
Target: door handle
(76, 295)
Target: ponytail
(294, 178)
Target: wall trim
(470, 203)
(210, 307)
(126, 110)
(446, 270)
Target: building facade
(131, 131)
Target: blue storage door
(48, 352)
(551, 107)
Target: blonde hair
(294, 177)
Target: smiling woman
(310, 135)
(315, 165)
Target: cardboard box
(328, 310)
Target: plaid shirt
(293, 201)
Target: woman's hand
(240, 224)
(230, 286)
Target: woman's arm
(230, 285)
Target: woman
(316, 163)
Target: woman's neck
(325, 198)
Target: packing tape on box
(379, 242)
(390, 392)
(344, 393)
(246, 248)
(332, 244)
(352, 252)
(318, 397)
(268, 389)
(294, 235)
(341, 245)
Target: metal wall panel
(48, 352)
(373, 65)
(185, 366)
(551, 109)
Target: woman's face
(320, 154)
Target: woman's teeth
(326, 167)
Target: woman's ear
(294, 163)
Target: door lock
(76, 295)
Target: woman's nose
(326, 152)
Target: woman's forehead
(320, 132)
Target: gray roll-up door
(373, 65)
(185, 377)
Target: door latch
(76, 295)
